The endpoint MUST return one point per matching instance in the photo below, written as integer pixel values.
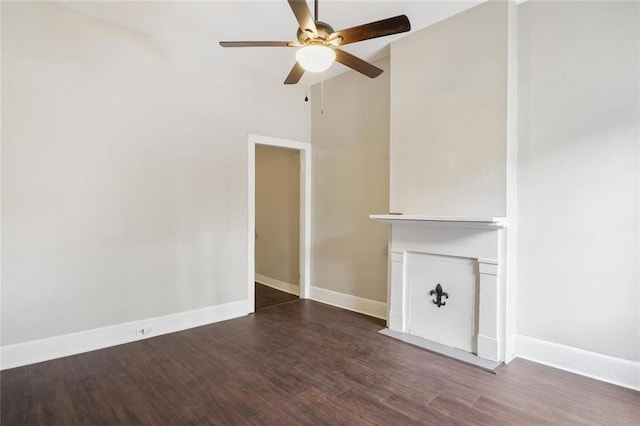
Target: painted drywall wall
(278, 213)
(350, 182)
(578, 173)
(124, 172)
(448, 116)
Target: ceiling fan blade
(304, 17)
(295, 74)
(385, 27)
(357, 64)
(257, 43)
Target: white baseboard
(84, 341)
(278, 285)
(369, 307)
(510, 350)
(488, 348)
(394, 322)
(606, 368)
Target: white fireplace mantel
(474, 221)
(481, 239)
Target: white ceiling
(198, 26)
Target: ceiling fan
(320, 45)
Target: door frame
(305, 212)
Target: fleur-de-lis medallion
(439, 295)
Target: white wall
(278, 213)
(578, 270)
(351, 181)
(124, 191)
(448, 116)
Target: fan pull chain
(322, 94)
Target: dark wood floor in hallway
(300, 362)
(267, 297)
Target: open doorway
(277, 223)
(270, 257)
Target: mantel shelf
(479, 221)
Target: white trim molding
(511, 249)
(489, 222)
(597, 366)
(39, 350)
(490, 315)
(278, 285)
(305, 212)
(397, 319)
(373, 308)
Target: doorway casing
(305, 212)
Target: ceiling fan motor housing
(324, 32)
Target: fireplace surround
(464, 254)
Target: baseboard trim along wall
(369, 307)
(84, 341)
(278, 285)
(606, 368)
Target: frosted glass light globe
(315, 58)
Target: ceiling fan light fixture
(315, 58)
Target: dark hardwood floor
(300, 362)
(267, 297)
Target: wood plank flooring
(299, 362)
(267, 296)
